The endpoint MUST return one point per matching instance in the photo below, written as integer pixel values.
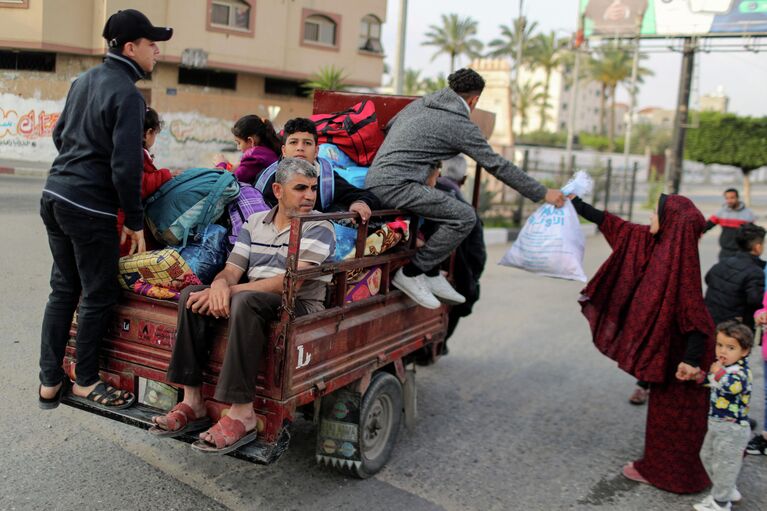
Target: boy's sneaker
(709, 504)
(735, 496)
(757, 445)
(416, 288)
(441, 288)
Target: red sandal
(228, 435)
(181, 419)
(630, 472)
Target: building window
(235, 17)
(207, 78)
(230, 14)
(27, 60)
(285, 87)
(370, 34)
(320, 29)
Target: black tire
(380, 420)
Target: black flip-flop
(53, 402)
(102, 391)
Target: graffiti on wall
(26, 125)
(189, 139)
(30, 125)
(200, 130)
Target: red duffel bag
(355, 131)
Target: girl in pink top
(259, 144)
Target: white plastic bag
(551, 242)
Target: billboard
(674, 18)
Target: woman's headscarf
(647, 296)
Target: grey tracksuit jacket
(435, 128)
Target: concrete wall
(198, 119)
(274, 47)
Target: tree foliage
(728, 139)
(455, 38)
(327, 78)
(546, 52)
(610, 66)
(507, 44)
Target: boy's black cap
(128, 25)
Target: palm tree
(528, 95)
(546, 53)
(327, 78)
(454, 38)
(612, 66)
(430, 85)
(411, 82)
(507, 44)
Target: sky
(741, 74)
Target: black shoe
(757, 445)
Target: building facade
(717, 101)
(227, 58)
(558, 112)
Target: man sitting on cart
(435, 128)
(260, 252)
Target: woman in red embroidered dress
(645, 309)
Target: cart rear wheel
(380, 419)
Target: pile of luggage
(196, 216)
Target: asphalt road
(523, 414)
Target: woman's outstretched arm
(588, 211)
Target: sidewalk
(24, 168)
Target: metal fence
(616, 188)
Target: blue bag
(354, 175)
(206, 254)
(334, 155)
(346, 238)
(188, 203)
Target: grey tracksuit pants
(722, 455)
(454, 218)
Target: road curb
(24, 171)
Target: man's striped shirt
(261, 251)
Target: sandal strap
(106, 395)
(181, 415)
(226, 432)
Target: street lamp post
(399, 59)
(517, 70)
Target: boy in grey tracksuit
(435, 128)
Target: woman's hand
(686, 372)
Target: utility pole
(674, 181)
(630, 121)
(574, 95)
(517, 69)
(399, 56)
